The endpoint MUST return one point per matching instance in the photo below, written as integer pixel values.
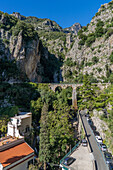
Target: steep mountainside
(92, 53)
(45, 52)
(31, 47)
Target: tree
(86, 94)
(44, 147)
(61, 132)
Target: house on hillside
(20, 125)
(15, 154)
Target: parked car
(98, 139)
(93, 128)
(108, 157)
(90, 122)
(68, 160)
(96, 133)
(84, 142)
(88, 118)
(110, 166)
(103, 147)
(87, 115)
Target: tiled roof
(14, 154)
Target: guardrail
(89, 145)
(69, 153)
(99, 149)
(90, 148)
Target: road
(83, 159)
(101, 165)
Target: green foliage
(83, 38)
(109, 33)
(27, 30)
(8, 69)
(5, 114)
(89, 64)
(95, 59)
(6, 41)
(99, 70)
(86, 94)
(19, 94)
(98, 13)
(68, 74)
(44, 147)
(69, 62)
(52, 35)
(111, 57)
(99, 31)
(9, 111)
(100, 23)
(90, 39)
(110, 5)
(10, 21)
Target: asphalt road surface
(98, 156)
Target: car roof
(107, 153)
(67, 158)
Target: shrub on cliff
(28, 31)
(111, 57)
(90, 40)
(109, 33)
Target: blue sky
(64, 12)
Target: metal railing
(70, 152)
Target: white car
(88, 118)
(99, 139)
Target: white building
(20, 125)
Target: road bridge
(53, 86)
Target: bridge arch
(58, 88)
(64, 86)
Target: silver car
(103, 147)
(84, 142)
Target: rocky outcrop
(73, 29)
(18, 15)
(27, 56)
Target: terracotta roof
(14, 154)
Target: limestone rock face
(101, 126)
(73, 29)
(27, 55)
(83, 55)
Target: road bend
(98, 156)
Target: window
(27, 129)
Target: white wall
(22, 166)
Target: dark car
(108, 157)
(68, 160)
(84, 142)
(90, 122)
(110, 166)
(93, 128)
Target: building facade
(20, 125)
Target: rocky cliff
(91, 53)
(41, 45)
(36, 45)
(73, 29)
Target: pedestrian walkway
(83, 159)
